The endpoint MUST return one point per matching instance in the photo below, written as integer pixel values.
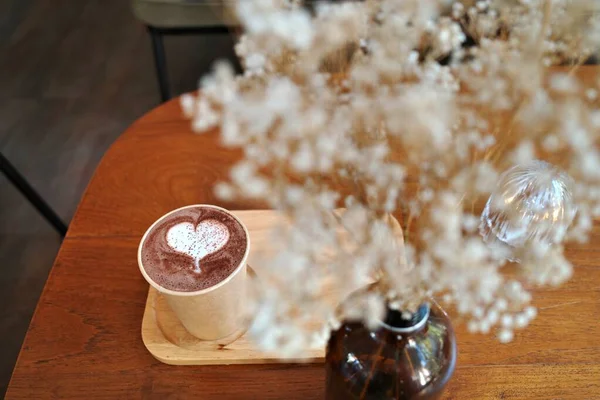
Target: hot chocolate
(193, 248)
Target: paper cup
(212, 313)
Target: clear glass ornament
(532, 202)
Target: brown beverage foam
(176, 269)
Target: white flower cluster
(350, 113)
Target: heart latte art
(194, 248)
(197, 242)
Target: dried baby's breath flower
(409, 108)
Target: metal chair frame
(32, 195)
(158, 48)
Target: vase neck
(396, 322)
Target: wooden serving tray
(168, 341)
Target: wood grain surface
(84, 340)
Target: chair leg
(160, 61)
(34, 198)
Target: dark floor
(73, 76)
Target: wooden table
(84, 340)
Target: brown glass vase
(401, 359)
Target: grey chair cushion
(183, 13)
